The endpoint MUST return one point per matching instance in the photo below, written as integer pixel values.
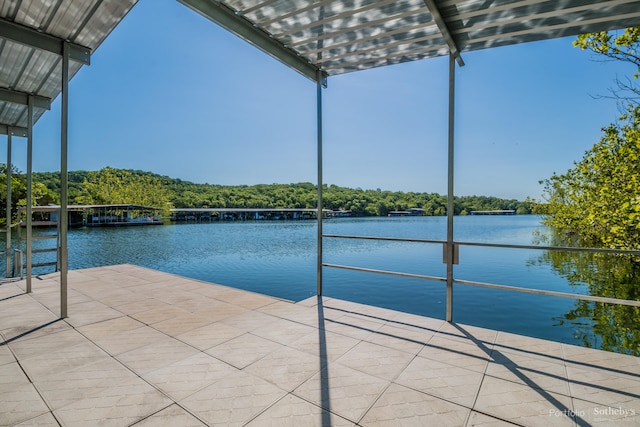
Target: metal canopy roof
(32, 34)
(338, 36)
(316, 37)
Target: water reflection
(279, 259)
(613, 327)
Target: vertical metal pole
(320, 212)
(29, 188)
(63, 217)
(8, 245)
(450, 204)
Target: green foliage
(18, 191)
(598, 200)
(51, 180)
(127, 186)
(597, 203)
(41, 194)
(623, 47)
(119, 186)
(607, 326)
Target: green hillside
(111, 185)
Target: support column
(450, 192)
(63, 217)
(29, 210)
(8, 230)
(320, 204)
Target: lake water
(279, 259)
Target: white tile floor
(145, 348)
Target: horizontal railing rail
(387, 272)
(550, 293)
(607, 300)
(491, 245)
(553, 248)
(392, 239)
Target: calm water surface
(279, 259)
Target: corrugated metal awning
(316, 37)
(338, 36)
(32, 33)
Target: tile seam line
(390, 383)
(287, 393)
(332, 411)
(484, 375)
(516, 371)
(167, 407)
(15, 357)
(475, 400)
(511, 349)
(439, 398)
(174, 401)
(293, 393)
(36, 389)
(567, 380)
(210, 283)
(378, 332)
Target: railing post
(29, 210)
(450, 191)
(8, 228)
(63, 220)
(18, 267)
(320, 204)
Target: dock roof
(319, 38)
(86, 207)
(33, 34)
(178, 210)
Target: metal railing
(489, 285)
(18, 266)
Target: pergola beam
(241, 27)
(21, 98)
(444, 30)
(13, 130)
(31, 37)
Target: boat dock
(495, 212)
(110, 215)
(146, 348)
(242, 214)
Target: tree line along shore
(116, 186)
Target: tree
(41, 194)
(110, 185)
(597, 202)
(618, 47)
(18, 191)
(119, 186)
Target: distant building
(340, 214)
(408, 212)
(495, 212)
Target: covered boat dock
(241, 214)
(44, 45)
(108, 215)
(140, 346)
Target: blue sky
(172, 93)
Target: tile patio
(146, 348)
